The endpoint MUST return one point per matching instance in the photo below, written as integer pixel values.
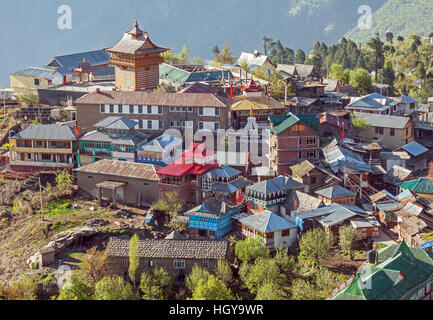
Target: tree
(94, 265)
(300, 56)
(171, 204)
(400, 38)
(134, 258)
(212, 289)
(197, 61)
(216, 52)
(285, 262)
(348, 236)
(359, 124)
(195, 276)
(64, 180)
(303, 290)
(24, 289)
(156, 285)
(250, 249)
(387, 74)
(27, 98)
(337, 72)
(79, 290)
(266, 43)
(378, 59)
(225, 56)
(264, 270)
(224, 272)
(271, 292)
(114, 288)
(360, 80)
(315, 245)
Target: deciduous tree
(114, 288)
(212, 289)
(250, 249)
(156, 285)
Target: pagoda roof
(252, 87)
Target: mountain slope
(401, 17)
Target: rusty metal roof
(122, 169)
(152, 98)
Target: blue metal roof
(267, 221)
(35, 73)
(98, 57)
(415, 149)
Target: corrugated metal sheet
(35, 73)
(267, 221)
(415, 149)
(122, 169)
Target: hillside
(401, 17)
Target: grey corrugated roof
(98, 57)
(267, 221)
(337, 155)
(383, 121)
(335, 192)
(323, 211)
(161, 143)
(337, 217)
(415, 149)
(35, 73)
(374, 101)
(212, 208)
(47, 132)
(390, 205)
(229, 187)
(116, 123)
(280, 183)
(222, 172)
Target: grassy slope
(402, 17)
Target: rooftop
(335, 192)
(384, 121)
(374, 101)
(170, 249)
(421, 185)
(121, 169)
(267, 222)
(48, 132)
(212, 208)
(280, 183)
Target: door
(120, 195)
(22, 156)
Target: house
(44, 148)
(292, 141)
(130, 183)
(391, 132)
(383, 195)
(412, 224)
(342, 216)
(333, 122)
(419, 156)
(99, 62)
(300, 105)
(386, 211)
(374, 103)
(184, 174)
(397, 175)
(212, 219)
(154, 111)
(269, 194)
(299, 72)
(395, 158)
(34, 78)
(274, 231)
(299, 201)
(407, 104)
(178, 257)
(422, 187)
(253, 103)
(311, 90)
(255, 59)
(366, 228)
(114, 138)
(336, 194)
(401, 273)
(224, 181)
(308, 174)
(160, 151)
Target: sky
(30, 35)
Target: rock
(97, 223)
(92, 209)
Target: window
(179, 264)
(206, 265)
(216, 126)
(125, 262)
(379, 130)
(178, 109)
(159, 110)
(200, 125)
(285, 233)
(184, 109)
(200, 111)
(149, 109)
(311, 141)
(140, 109)
(140, 124)
(189, 109)
(111, 108)
(161, 125)
(311, 154)
(46, 156)
(151, 264)
(37, 82)
(149, 124)
(102, 108)
(392, 132)
(313, 180)
(120, 108)
(131, 109)
(217, 112)
(172, 109)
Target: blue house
(212, 218)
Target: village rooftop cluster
(103, 117)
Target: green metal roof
(421, 185)
(173, 74)
(290, 120)
(404, 270)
